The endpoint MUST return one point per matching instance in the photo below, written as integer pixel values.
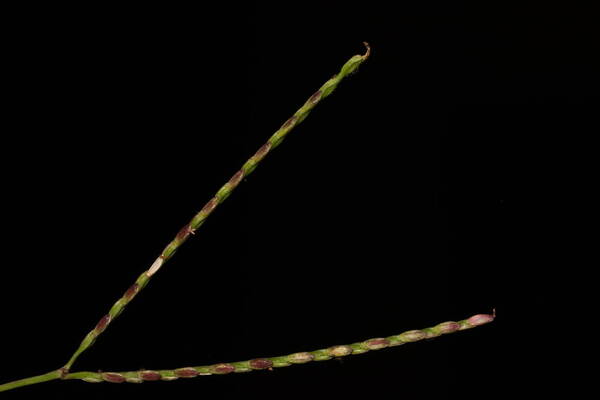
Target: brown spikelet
(376, 344)
(210, 206)
(261, 363)
(262, 151)
(150, 375)
(315, 97)
(289, 122)
(102, 324)
(223, 368)
(235, 180)
(184, 233)
(132, 291)
(186, 372)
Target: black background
(422, 190)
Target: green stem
(328, 87)
(287, 360)
(50, 376)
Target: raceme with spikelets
(260, 363)
(285, 361)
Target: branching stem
(259, 363)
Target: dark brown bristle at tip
(368, 53)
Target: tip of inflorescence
(368, 53)
(481, 319)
